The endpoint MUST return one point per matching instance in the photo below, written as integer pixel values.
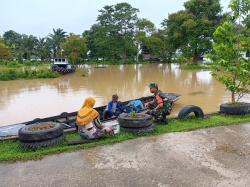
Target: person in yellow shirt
(87, 120)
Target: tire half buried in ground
(185, 111)
(238, 109)
(141, 121)
(40, 134)
(45, 143)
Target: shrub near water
(198, 66)
(13, 74)
(15, 70)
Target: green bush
(193, 66)
(12, 74)
(13, 64)
(11, 70)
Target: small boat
(68, 119)
(62, 65)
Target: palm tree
(43, 49)
(28, 44)
(56, 39)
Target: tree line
(120, 35)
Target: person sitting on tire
(160, 107)
(89, 125)
(114, 108)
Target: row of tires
(41, 135)
(144, 123)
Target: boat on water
(68, 119)
(62, 65)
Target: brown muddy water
(23, 100)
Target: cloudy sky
(39, 17)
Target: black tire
(140, 130)
(26, 135)
(45, 143)
(243, 108)
(185, 111)
(127, 122)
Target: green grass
(192, 66)
(11, 151)
(27, 70)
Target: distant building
(34, 58)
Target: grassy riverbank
(27, 70)
(11, 151)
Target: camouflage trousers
(161, 113)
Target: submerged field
(11, 151)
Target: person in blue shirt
(135, 105)
(114, 108)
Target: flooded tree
(114, 32)
(190, 30)
(75, 48)
(145, 28)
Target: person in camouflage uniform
(160, 107)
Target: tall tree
(193, 27)
(55, 40)
(99, 44)
(43, 49)
(118, 24)
(158, 46)
(176, 27)
(5, 53)
(13, 40)
(75, 48)
(28, 44)
(145, 28)
(21, 45)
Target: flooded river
(23, 100)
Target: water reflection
(204, 77)
(23, 100)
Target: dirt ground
(208, 157)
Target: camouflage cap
(153, 85)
